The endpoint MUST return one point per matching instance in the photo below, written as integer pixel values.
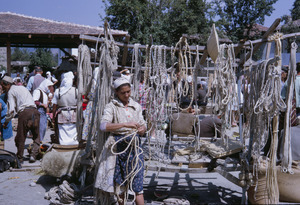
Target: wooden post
(268, 50)
(125, 51)
(204, 56)
(8, 58)
(265, 36)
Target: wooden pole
(125, 52)
(8, 57)
(265, 37)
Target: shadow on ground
(47, 182)
(192, 189)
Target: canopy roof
(26, 31)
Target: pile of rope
(63, 194)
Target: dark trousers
(29, 119)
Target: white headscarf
(66, 83)
(120, 81)
(48, 74)
(44, 86)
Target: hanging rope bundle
(224, 86)
(286, 164)
(84, 72)
(183, 74)
(262, 106)
(137, 72)
(157, 89)
(101, 95)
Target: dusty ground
(29, 186)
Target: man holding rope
(123, 118)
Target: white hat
(8, 79)
(120, 81)
(189, 79)
(48, 73)
(125, 71)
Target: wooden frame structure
(238, 47)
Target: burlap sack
(183, 124)
(260, 196)
(289, 185)
(57, 164)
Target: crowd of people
(35, 102)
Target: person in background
(26, 78)
(35, 81)
(123, 118)
(297, 89)
(284, 74)
(126, 74)
(7, 132)
(20, 101)
(201, 97)
(64, 110)
(51, 77)
(18, 80)
(204, 84)
(40, 97)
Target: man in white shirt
(20, 101)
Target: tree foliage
(20, 54)
(290, 26)
(43, 57)
(165, 20)
(237, 17)
(295, 12)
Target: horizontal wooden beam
(95, 39)
(258, 44)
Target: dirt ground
(28, 185)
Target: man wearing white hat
(126, 74)
(124, 120)
(20, 101)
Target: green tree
(191, 17)
(42, 57)
(238, 17)
(20, 54)
(290, 26)
(165, 20)
(295, 11)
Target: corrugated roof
(21, 24)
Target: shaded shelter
(17, 30)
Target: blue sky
(86, 12)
